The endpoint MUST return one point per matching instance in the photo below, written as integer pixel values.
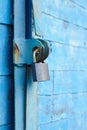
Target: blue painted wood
(6, 127)
(6, 48)
(63, 23)
(6, 16)
(6, 59)
(6, 100)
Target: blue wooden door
(62, 101)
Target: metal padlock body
(40, 72)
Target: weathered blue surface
(31, 88)
(64, 21)
(62, 100)
(19, 19)
(6, 99)
(25, 89)
(6, 127)
(19, 70)
(6, 11)
(6, 48)
(19, 97)
(6, 77)
(31, 102)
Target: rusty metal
(23, 50)
(16, 52)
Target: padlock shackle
(26, 47)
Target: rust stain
(16, 52)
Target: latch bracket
(23, 50)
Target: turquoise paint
(26, 48)
(31, 89)
(19, 97)
(62, 100)
(6, 66)
(62, 15)
(31, 102)
(6, 15)
(6, 127)
(20, 69)
(6, 48)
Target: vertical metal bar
(28, 19)
(31, 102)
(19, 70)
(20, 83)
(6, 77)
(31, 91)
(19, 19)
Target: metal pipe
(22, 122)
(19, 70)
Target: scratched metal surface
(62, 100)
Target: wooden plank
(6, 100)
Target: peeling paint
(16, 52)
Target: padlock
(40, 72)
(39, 69)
